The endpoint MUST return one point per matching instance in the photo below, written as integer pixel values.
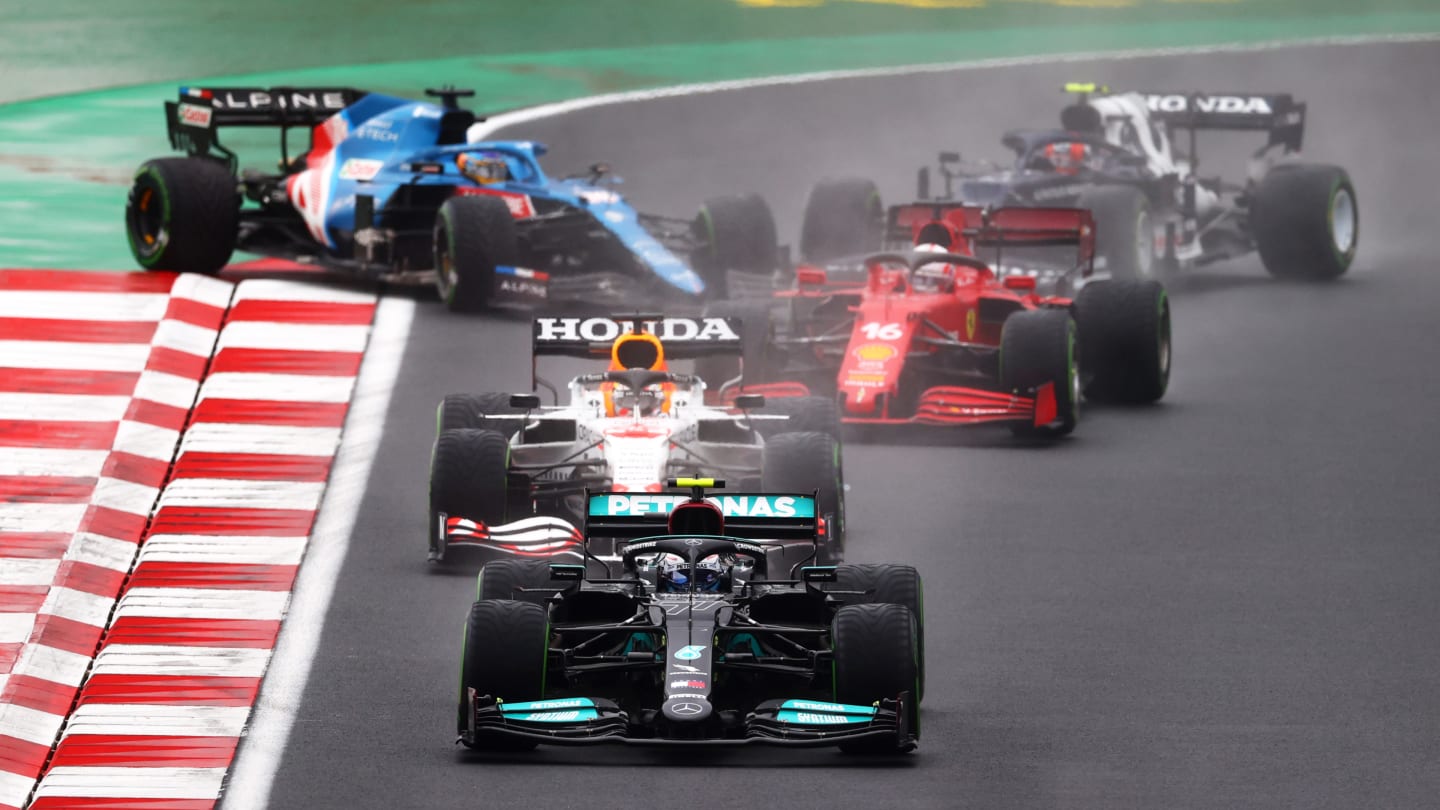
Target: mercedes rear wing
(998, 228)
(192, 122)
(748, 516)
(1279, 114)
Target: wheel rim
(1342, 221)
(147, 218)
(1164, 343)
(446, 277)
(1074, 378)
(1144, 245)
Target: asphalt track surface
(1228, 600)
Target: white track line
(486, 128)
(258, 759)
(259, 755)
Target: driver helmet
(934, 276)
(1068, 157)
(648, 401)
(637, 350)
(483, 167)
(675, 575)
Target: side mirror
(566, 572)
(747, 402)
(528, 402)
(819, 573)
(1020, 283)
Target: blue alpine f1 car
(393, 188)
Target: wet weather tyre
(804, 414)
(1124, 230)
(1306, 221)
(1124, 330)
(473, 236)
(1038, 347)
(810, 462)
(183, 215)
(888, 584)
(737, 233)
(504, 655)
(755, 344)
(469, 411)
(843, 217)
(469, 475)
(515, 580)
(876, 656)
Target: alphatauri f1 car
(392, 188)
(931, 335)
(1115, 155)
(698, 638)
(508, 476)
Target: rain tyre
(183, 215)
(473, 236)
(810, 462)
(843, 217)
(1038, 347)
(876, 656)
(504, 655)
(1306, 221)
(1125, 340)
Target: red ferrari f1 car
(933, 335)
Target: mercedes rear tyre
(737, 233)
(518, 580)
(1306, 221)
(883, 583)
(183, 215)
(469, 476)
(810, 462)
(1037, 347)
(843, 217)
(876, 655)
(1124, 230)
(505, 655)
(1124, 330)
(473, 236)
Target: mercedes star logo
(686, 708)
(694, 541)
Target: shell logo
(875, 352)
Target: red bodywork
(922, 345)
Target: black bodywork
(712, 669)
(1191, 236)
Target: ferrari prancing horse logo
(970, 325)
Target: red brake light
(810, 276)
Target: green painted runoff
(67, 160)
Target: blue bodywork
(399, 133)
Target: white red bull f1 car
(509, 476)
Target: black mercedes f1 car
(695, 641)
